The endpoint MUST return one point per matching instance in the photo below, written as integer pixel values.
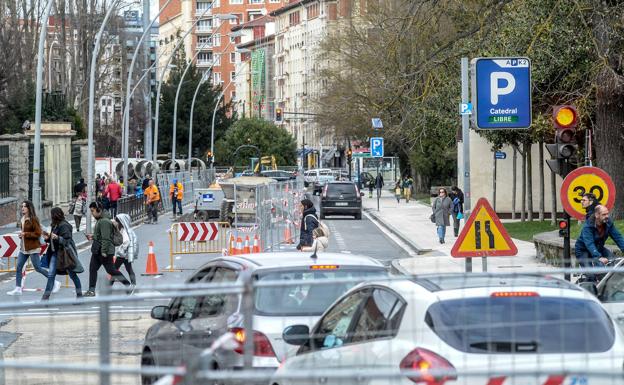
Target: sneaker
(16, 291)
(57, 287)
(46, 297)
(132, 288)
(89, 293)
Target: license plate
(342, 203)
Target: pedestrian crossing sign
(483, 235)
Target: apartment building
(209, 44)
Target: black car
(341, 198)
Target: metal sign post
(377, 151)
(466, 143)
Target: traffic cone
(231, 245)
(246, 247)
(238, 249)
(151, 268)
(256, 245)
(287, 235)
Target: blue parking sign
(376, 147)
(501, 92)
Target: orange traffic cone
(287, 235)
(231, 245)
(151, 268)
(238, 249)
(246, 247)
(256, 245)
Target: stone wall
(8, 211)
(84, 153)
(549, 248)
(18, 168)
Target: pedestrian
(129, 249)
(80, 187)
(442, 207)
(397, 191)
(176, 193)
(407, 185)
(320, 241)
(98, 184)
(79, 208)
(309, 222)
(589, 203)
(61, 253)
(152, 199)
(30, 246)
(379, 183)
(457, 197)
(145, 183)
(113, 192)
(371, 186)
(102, 249)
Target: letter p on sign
(495, 90)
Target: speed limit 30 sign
(586, 180)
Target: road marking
(408, 250)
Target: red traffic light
(563, 225)
(565, 116)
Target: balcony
(205, 30)
(204, 47)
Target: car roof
(294, 259)
(442, 282)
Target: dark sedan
(341, 198)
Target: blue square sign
(501, 92)
(377, 147)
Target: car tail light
(505, 294)
(428, 368)
(262, 345)
(324, 267)
(178, 378)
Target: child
(397, 191)
(320, 243)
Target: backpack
(117, 237)
(322, 225)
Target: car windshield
(516, 325)
(338, 189)
(306, 299)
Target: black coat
(309, 222)
(64, 242)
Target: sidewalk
(410, 223)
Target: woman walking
(129, 249)
(30, 246)
(457, 196)
(80, 208)
(441, 210)
(62, 253)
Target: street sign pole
(566, 247)
(466, 144)
(378, 189)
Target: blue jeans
(585, 259)
(441, 232)
(21, 261)
(175, 202)
(52, 276)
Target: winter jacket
(64, 241)
(31, 230)
(460, 201)
(308, 224)
(152, 194)
(129, 249)
(379, 182)
(103, 234)
(590, 210)
(591, 241)
(441, 210)
(180, 192)
(113, 192)
(80, 206)
(319, 244)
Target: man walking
(113, 193)
(102, 249)
(176, 193)
(152, 198)
(379, 183)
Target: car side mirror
(160, 313)
(296, 335)
(590, 287)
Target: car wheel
(147, 359)
(358, 216)
(202, 216)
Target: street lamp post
(162, 76)
(36, 189)
(190, 138)
(125, 132)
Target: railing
(4, 171)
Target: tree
(269, 138)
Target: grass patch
(425, 199)
(525, 230)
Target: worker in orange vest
(152, 199)
(176, 193)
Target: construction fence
(430, 329)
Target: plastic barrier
(196, 238)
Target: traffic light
(564, 230)
(278, 114)
(209, 156)
(563, 151)
(349, 155)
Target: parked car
(188, 325)
(278, 175)
(506, 329)
(341, 198)
(318, 178)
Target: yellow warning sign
(483, 235)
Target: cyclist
(590, 248)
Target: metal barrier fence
(190, 181)
(196, 238)
(278, 213)
(477, 328)
(133, 206)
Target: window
(204, 41)
(216, 40)
(232, 57)
(217, 60)
(236, 1)
(216, 78)
(182, 308)
(380, 317)
(238, 20)
(333, 329)
(204, 25)
(293, 18)
(313, 10)
(233, 76)
(614, 288)
(203, 7)
(256, 1)
(204, 57)
(214, 304)
(233, 95)
(253, 15)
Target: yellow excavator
(266, 163)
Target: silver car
(188, 325)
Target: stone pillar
(18, 167)
(84, 160)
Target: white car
(452, 329)
(189, 325)
(318, 178)
(610, 291)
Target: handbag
(460, 215)
(432, 218)
(72, 207)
